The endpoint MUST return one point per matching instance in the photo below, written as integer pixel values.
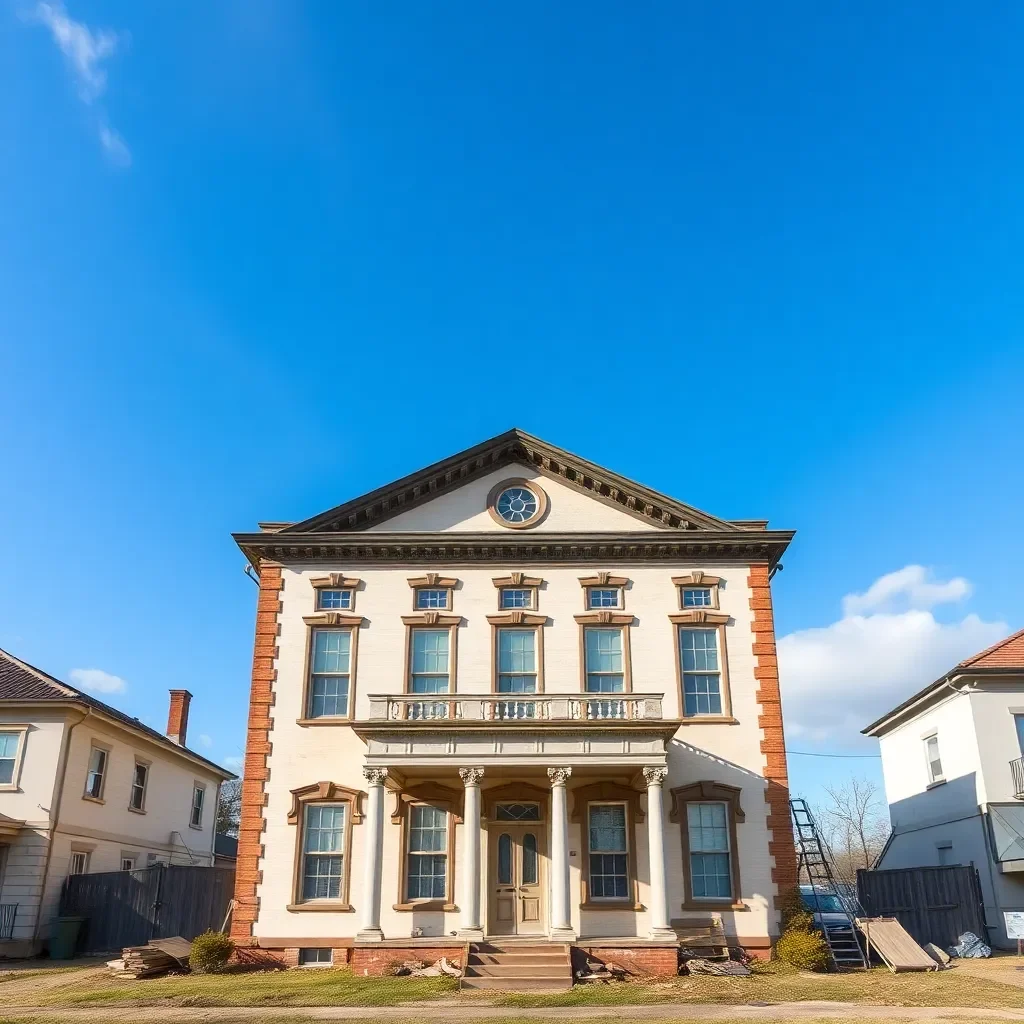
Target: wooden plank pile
(703, 937)
(157, 957)
(890, 941)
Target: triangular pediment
(449, 488)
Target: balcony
(1017, 771)
(527, 709)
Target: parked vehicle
(830, 915)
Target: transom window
(516, 504)
(609, 877)
(96, 774)
(427, 870)
(708, 833)
(323, 851)
(333, 600)
(516, 597)
(604, 597)
(330, 675)
(9, 744)
(198, 799)
(137, 797)
(702, 676)
(517, 812)
(604, 666)
(697, 597)
(429, 666)
(934, 761)
(428, 598)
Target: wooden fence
(130, 908)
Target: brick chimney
(177, 716)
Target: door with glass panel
(516, 904)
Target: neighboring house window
(317, 956)
(429, 662)
(601, 597)
(198, 798)
(934, 761)
(710, 855)
(702, 676)
(137, 799)
(428, 853)
(514, 597)
(323, 851)
(97, 773)
(1018, 721)
(128, 862)
(609, 854)
(333, 600)
(10, 752)
(433, 599)
(79, 863)
(331, 673)
(697, 597)
(603, 654)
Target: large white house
(84, 788)
(953, 761)
(512, 695)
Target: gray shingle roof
(21, 682)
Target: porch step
(517, 968)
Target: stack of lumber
(890, 940)
(703, 937)
(157, 957)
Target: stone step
(523, 959)
(525, 948)
(517, 971)
(519, 984)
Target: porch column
(470, 927)
(561, 912)
(369, 908)
(656, 852)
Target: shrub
(210, 952)
(804, 948)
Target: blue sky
(256, 258)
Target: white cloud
(910, 587)
(205, 741)
(836, 679)
(85, 52)
(98, 680)
(234, 763)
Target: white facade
(50, 825)
(971, 812)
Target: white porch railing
(524, 708)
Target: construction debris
(419, 969)
(890, 940)
(597, 971)
(970, 947)
(937, 953)
(721, 968)
(157, 957)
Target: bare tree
(229, 809)
(855, 823)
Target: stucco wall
(301, 755)
(992, 706)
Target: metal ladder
(814, 860)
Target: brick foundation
(374, 960)
(642, 961)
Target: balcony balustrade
(1017, 771)
(516, 709)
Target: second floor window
(429, 661)
(603, 654)
(932, 758)
(517, 661)
(331, 673)
(323, 851)
(702, 675)
(140, 780)
(198, 799)
(427, 872)
(97, 773)
(9, 744)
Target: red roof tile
(1008, 653)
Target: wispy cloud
(97, 680)
(234, 763)
(205, 741)
(85, 50)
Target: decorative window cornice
(705, 790)
(326, 792)
(604, 617)
(433, 580)
(432, 793)
(603, 579)
(432, 619)
(697, 579)
(517, 617)
(697, 616)
(335, 581)
(518, 580)
(333, 619)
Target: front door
(517, 883)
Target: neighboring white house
(84, 788)
(953, 761)
(565, 684)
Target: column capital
(655, 776)
(471, 776)
(375, 776)
(559, 776)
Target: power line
(811, 754)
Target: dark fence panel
(934, 904)
(130, 908)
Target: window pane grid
(514, 598)
(334, 600)
(97, 767)
(428, 857)
(432, 598)
(708, 836)
(8, 756)
(330, 676)
(603, 598)
(517, 663)
(608, 852)
(698, 597)
(702, 678)
(323, 851)
(604, 667)
(138, 793)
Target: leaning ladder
(814, 861)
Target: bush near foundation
(801, 944)
(210, 953)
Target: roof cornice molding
(513, 548)
(514, 446)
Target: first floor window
(316, 956)
(702, 676)
(323, 851)
(137, 799)
(609, 854)
(604, 665)
(931, 754)
(710, 861)
(329, 682)
(97, 771)
(79, 863)
(198, 798)
(9, 744)
(427, 873)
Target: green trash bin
(65, 938)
